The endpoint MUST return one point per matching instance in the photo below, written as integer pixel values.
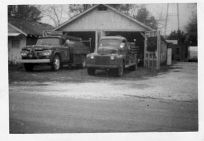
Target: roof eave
(19, 30)
(113, 9)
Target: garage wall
(102, 20)
(15, 44)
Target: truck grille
(33, 55)
(102, 60)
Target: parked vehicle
(192, 53)
(113, 54)
(55, 50)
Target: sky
(159, 11)
(185, 13)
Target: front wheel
(56, 63)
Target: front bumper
(37, 61)
(102, 66)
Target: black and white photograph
(98, 68)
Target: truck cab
(113, 54)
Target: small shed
(22, 33)
(104, 20)
(179, 51)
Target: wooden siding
(15, 44)
(102, 20)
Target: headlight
(92, 57)
(47, 52)
(112, 57)
(122, 45)
(24, 53)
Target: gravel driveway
(42, 99)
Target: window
(49, 41)
(110, 42)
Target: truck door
(152, 50)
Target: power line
(167, 17)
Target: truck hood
(107, 50)
(37, 47)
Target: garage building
(103, 20)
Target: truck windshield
(48, 41)
(110, 42)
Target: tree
(191, 29)
(177, 35)
(25, 12)
(124, 8)
(143, 16)
(55, 13)
(79, 8)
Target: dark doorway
(130, 37)
(85, 36)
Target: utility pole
(166, 20)
(178, 22)
(178, 16)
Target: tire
(28, 67)
(56, 64)
(91, 71)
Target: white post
(158, 50)
(145, 48)
(96, 41)
(169, 56)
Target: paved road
(71, 101)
